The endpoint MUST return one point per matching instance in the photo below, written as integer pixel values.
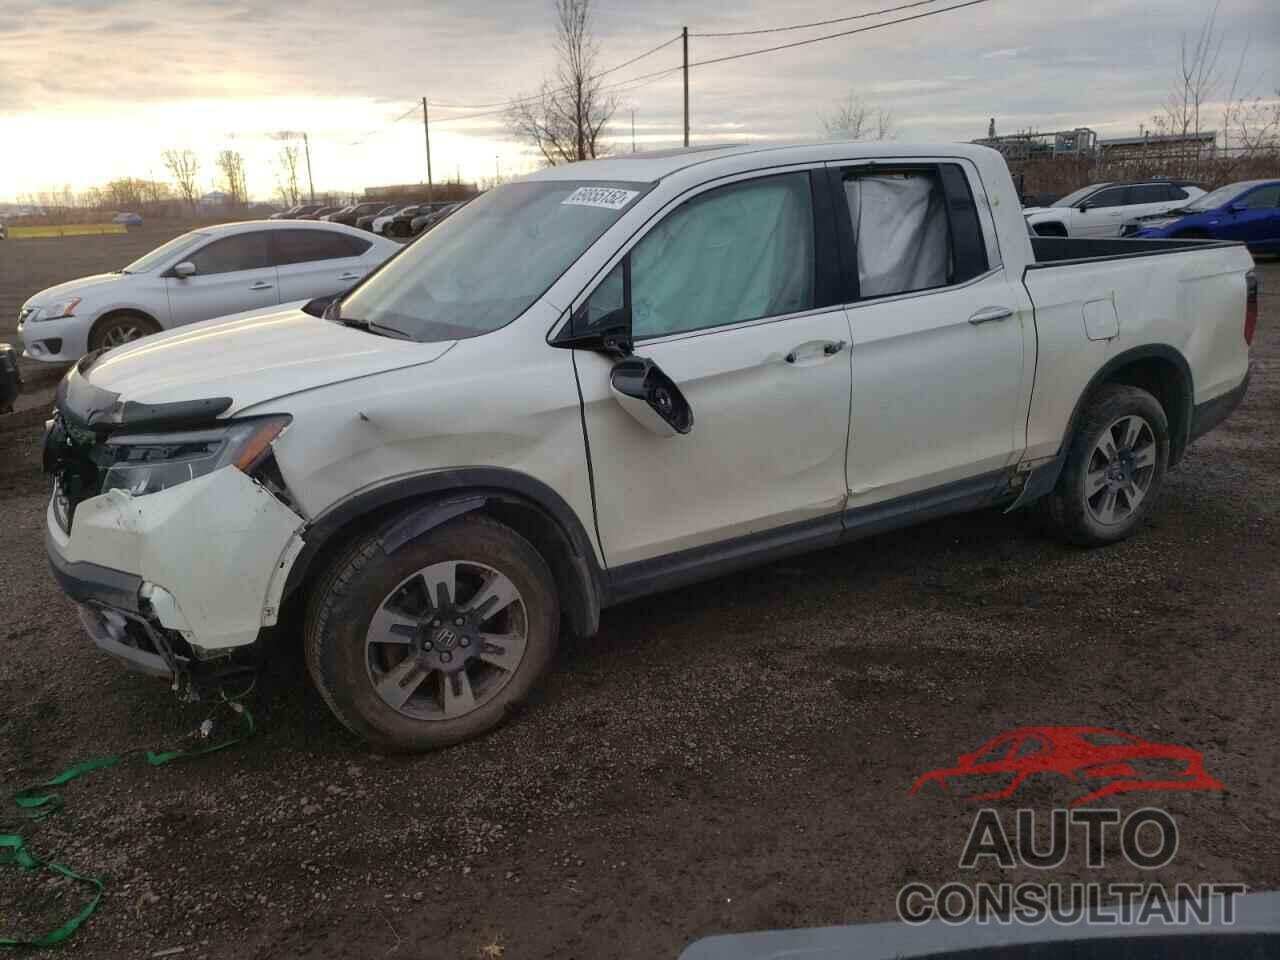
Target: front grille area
(69, 456)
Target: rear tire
(408, 669)
(1115, 468)
(117, 329)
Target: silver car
(210, 272)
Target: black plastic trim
(644, 577)
(87, 582)
(1205, 416)
(959, 496)
(416, 523)
(468, 484)
(1053, 252)
(83, 404)
(655, 575)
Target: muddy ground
(732, 756)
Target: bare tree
(565, 120)
(231, 165)
(287, 174)
(184, 167)
(854, 119)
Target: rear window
(305, 246)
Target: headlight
(148, 463)
(63, 308)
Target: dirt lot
(731, 756)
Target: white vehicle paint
(1101, 209)
(558, 330)
(237, 267)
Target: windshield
(149, 261)
(491, 260)
(1217, 198)
(1071, 199)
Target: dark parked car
(402, 225)
(1248, 211)
(366, 222)
(317, 213)
(301, 210)
(425, 221)
(349, 215)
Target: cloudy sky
(92, 89)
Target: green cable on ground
(38, 801)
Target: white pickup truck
(612, 378)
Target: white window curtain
(900, 231)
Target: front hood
(251, 359)
(74, 288)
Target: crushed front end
(170, 528)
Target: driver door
(233, 273)
(726, 295)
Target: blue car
(1248, 211)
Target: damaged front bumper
(177, 583)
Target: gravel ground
(732, 756)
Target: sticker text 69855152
(611, 198)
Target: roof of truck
(650, 166)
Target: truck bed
(1059, 251)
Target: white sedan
(210, 272)
(1100, 209)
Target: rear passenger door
(943, 342)
(317, 263)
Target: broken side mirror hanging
(650, 396)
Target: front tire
(1115, 468)
(120, 328)
(436, 642)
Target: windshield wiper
(372, 327)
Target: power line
(830, 36)
(818, 23)
(645, 78)
(365, 136)
(596, 76)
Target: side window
(1264, 198)
(732, 254)
(243, 251)
(1177, 193)
(913, 229)
(1111, 197)
(304, 246)
(1149, 193)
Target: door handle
(988, 314)
(261, 285)
(829, 349)
(349, 276)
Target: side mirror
(1237, 208)
(651, 397)
(184, 269)
(1084, 206)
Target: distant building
(214, 200)
(1028, 145)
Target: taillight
(1250, 306)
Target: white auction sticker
(610, 198)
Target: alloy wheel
(446, 640)
(1120, 471)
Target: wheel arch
(1158, 368)
(407, 507)
(120, 311)
(1050, 228)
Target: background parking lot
(732, 756)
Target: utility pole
(684, 36)
(633, 129)
(497, 170)
(311, 184)
(426, 132)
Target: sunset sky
(94, 89)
